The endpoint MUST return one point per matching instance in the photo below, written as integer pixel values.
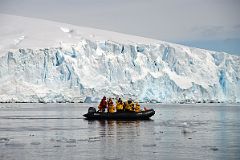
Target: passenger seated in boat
(132, 106)
(129, 106)
(137, 107)
(119, 105)
(103, 104)
(111, 108)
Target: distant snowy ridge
(83, 66)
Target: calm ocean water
(59, 132)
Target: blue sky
(209, 24)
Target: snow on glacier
(55, 62)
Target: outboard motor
(92, 110)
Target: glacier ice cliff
(160, 72)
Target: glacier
(87, 68)
(144, 72)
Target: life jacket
(111, 107)
(119, 106)
(128, 106)
(137, 108)
(132, 106)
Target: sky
(208, 24)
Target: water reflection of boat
(92, 114)
(119, 128)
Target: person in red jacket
(103, 104)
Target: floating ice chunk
(4, 140)
(186, 130)
(185, 124)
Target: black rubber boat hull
(121, 115)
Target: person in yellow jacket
(129, 106)
(132, 105)
(119, 105)
(111, 108)
(137, 107)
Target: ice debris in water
(4, 140)
(185, 124)
(214, 148)
(186, 130)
